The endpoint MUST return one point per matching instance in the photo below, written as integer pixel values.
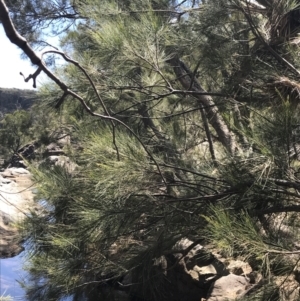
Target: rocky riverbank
(16, 197)
(199, 274)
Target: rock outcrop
(16, 197)
(230, 287)
(16, 189)
(190, 273)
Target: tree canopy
(184, 122)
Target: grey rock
(5, 218)
(53, 149)
(64, 140)
(239, 267)
(289, 289)
(185, 243)
(53, 159)
(9, 240)
(206, 270)
(15, 199)
(229, 287)
(5, 181)
(65, 162)
(14, 171)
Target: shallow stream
(10, 273)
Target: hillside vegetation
(14, 99)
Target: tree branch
(21, 42)
(279, 209)
(189, 82)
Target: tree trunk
(190, 83)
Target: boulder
(289, 289)
(206, 273)
(188, 273)
(64, 140)
(239, 267)
(62, 161)
(26, 152)
(227, 288)
(9, 241)
(14, 172)
(198, 257)
(53, 149)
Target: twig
(68, 59)
(21, 42)
(259, 36)
(279, 209)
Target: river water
(10, 273)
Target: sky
(11, 65)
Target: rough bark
(190, 83)
(21, 42)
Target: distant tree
(15, 130)
(15, 99)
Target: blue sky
(11, 64)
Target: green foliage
(236, 234)
(159, 171)
(14, 99)
(15, 130)
(268, 292)
(32, 17)
(103, 216)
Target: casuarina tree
(184, 118)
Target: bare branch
(188, 81)
(21, 42)
(279, 209)
(247, 14)
(32, 76)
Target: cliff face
(13, 99)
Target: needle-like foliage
(187, 127)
